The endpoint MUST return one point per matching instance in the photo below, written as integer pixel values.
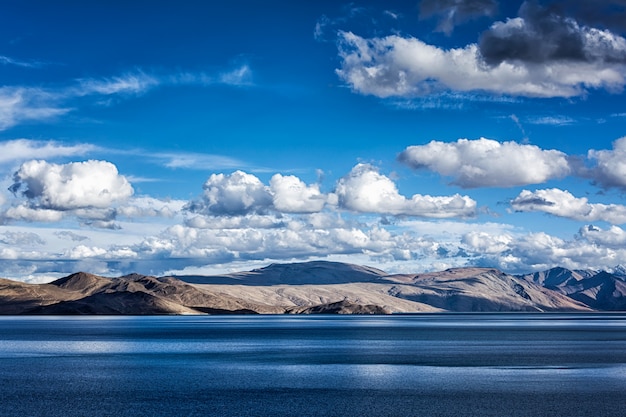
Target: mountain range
(321, 287)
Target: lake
(405, 365)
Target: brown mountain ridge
(318, 287)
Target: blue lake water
(413, 365)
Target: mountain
(319, 287)
(619, 271)
(479, 289)
(319, 283)
(600, 290)
(304, 273)
(83, 293)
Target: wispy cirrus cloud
(199, 161)
(22, 104)
(27, 104)
(130, 83)
(551, 120)
(24, 149)
(5, 60)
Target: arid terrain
(319, 287)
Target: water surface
(407, 365)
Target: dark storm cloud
(609, 14)
(543, 34)
(453, 12)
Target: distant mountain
(304, 273)
(619, 271)
(600, 290)
(319, 287)
(480, 289)
(319, 283)
(557, 277)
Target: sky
(196, 137)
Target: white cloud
(488, 163)
(396, 66)
(19, 63)
(191, 160)
(71, 236)
(241, 194)
(24, 104)
(236, 194)
(610, 165)
(254, 221)
(76, 185)
(291, 195)
(20, 104)
(552, 120)
(297, 238)
(144, 206)
(25, 149)
(487, 243)
(541, 251)
(563, 204)
(613, 237)
(21, 238)
(30, 214)
(131, 83)
(241, 76)
(364, 189)
(82, 251)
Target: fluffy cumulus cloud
(290, 194)
(451, 13)
(238, 193)
(488, 163)
(299, 237)
(487, 243)
(541, 251)
(609, 168)
(26, 213)
(537, 54)
(76, 185)
(613, 237)
(563, 204)
(364, 189)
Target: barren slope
(314, 287)
(480, 289)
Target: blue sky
(198, 137)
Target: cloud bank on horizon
(466, 132)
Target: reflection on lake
(430, 365)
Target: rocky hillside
(319, 287)
(83, 293)
(600, 290)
